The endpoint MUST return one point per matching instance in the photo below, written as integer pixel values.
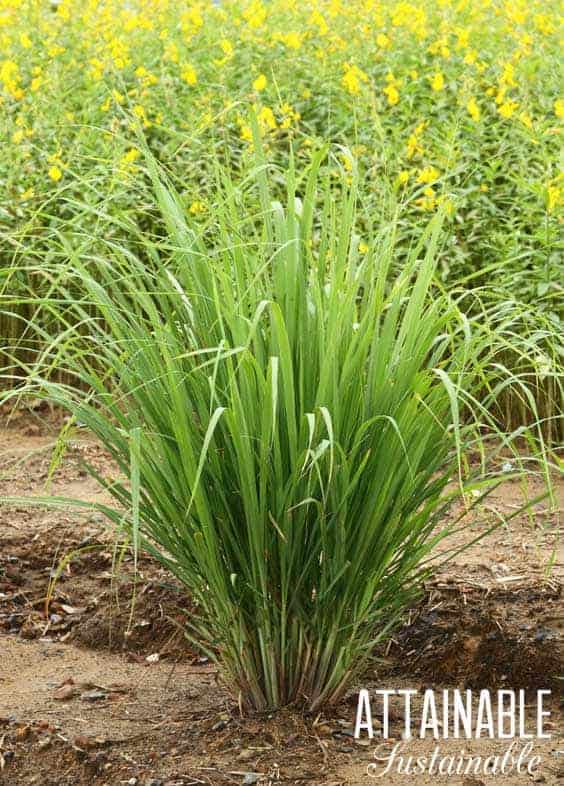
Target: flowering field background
(451, 104)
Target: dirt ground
(105, 689)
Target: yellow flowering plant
(468, 89)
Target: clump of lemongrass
(285, 413)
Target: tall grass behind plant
(524, 384)
(284, 411)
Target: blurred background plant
(442, 104)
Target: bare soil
(100, 686)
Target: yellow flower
(473, 109)
(392, 95)
(552, 197)
(318, 19)
(191, 21)
(97, 69)
(347, 162)
(559, 107)
(403, 177)
(463, 37)
(484, 188)
(544, 23)
(289, 115)
(197, 207)
(428, 201)
(55, 173)
(146, 77)
(383, 41)
(25, 41)
(29, 193)
(507, 76)
(226, 47)
(362, 247)
(353, 78)
(130, 157)
(413, 146)
(139, 111)
(260, 83)
(440, 47)
(17, 136)
(246, 133)
(291, 40)
(255, 14)
(501, 93)
(507, 109)
(266, 118)
(36, 83)
(189, 74)
(437, 82)
(9, 72)
(428, 175)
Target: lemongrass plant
(284, 413)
